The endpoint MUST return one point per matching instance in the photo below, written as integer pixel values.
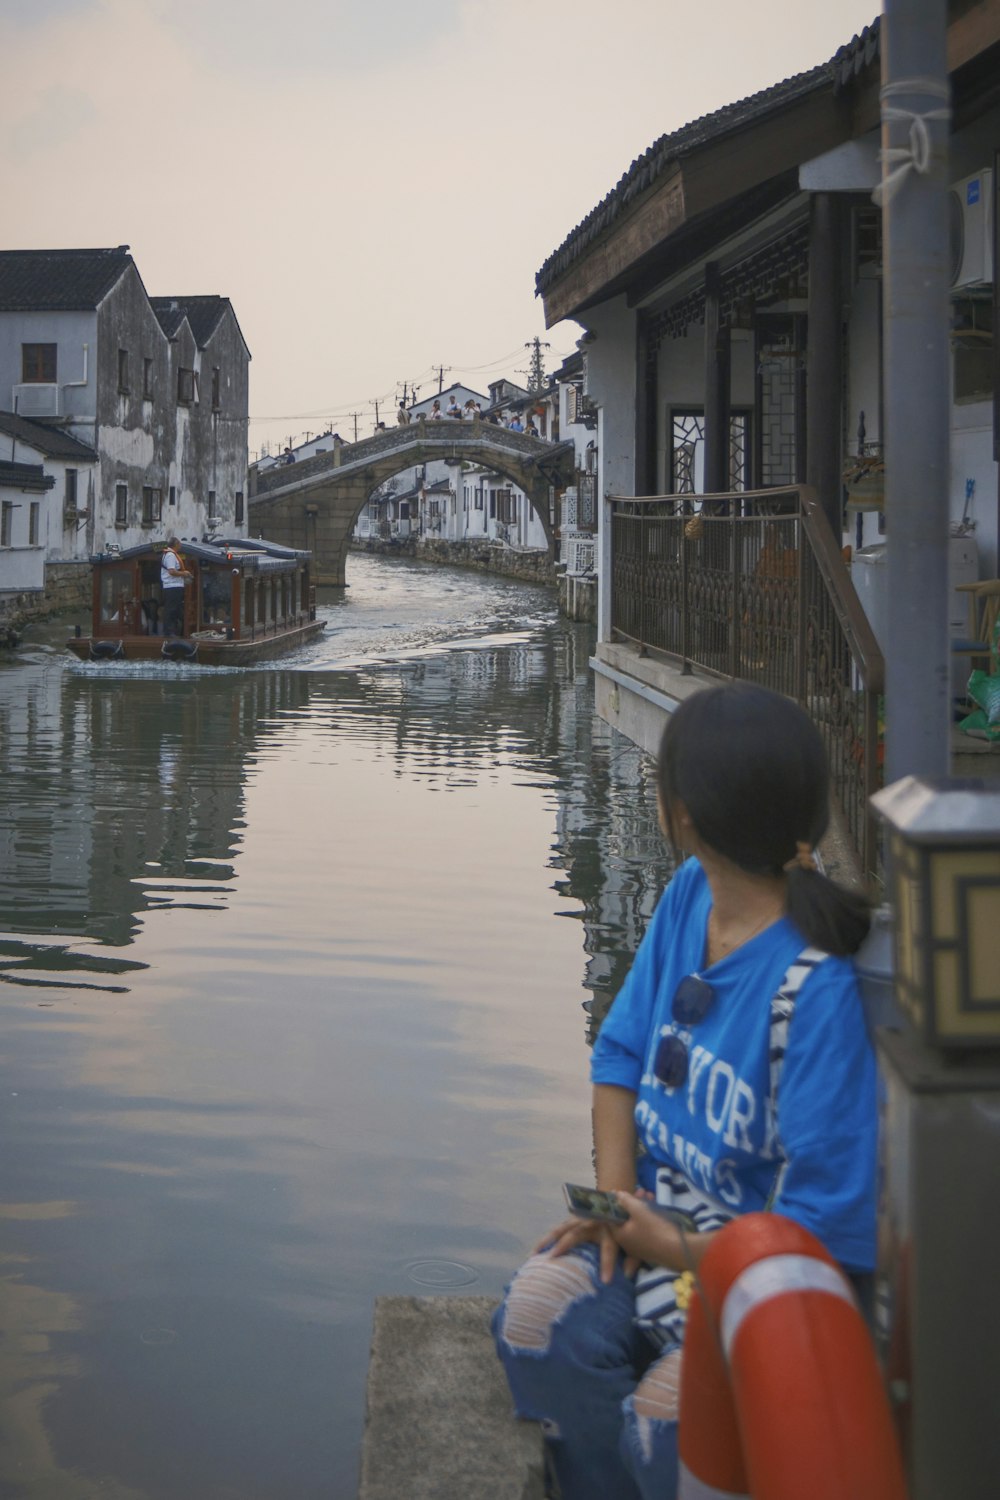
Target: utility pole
(375, 404)
(536, 369)
(442, 371)
(355, 415)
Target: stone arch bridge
(316, 502)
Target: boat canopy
(250, 554)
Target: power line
(343, 410)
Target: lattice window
(687, 452)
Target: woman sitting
(732, 1074)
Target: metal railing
(753, 586)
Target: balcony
(754, 587)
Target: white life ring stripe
(774, 1277)
(690, 1487)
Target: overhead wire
(421, 379)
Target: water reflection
(288, 1025)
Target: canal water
(299, 967)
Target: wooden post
(716, 388)
(823, 456)
(646, 415)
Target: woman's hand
(574, 1231)
(648, 1236)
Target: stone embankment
(577, 596)
(67, 586)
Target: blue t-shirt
(715, 1127)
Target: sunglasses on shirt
(691, 1003)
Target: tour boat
(247, 599)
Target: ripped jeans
(576, 1362)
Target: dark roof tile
(203, 314)
(24, 476)
(59, 280)
(51, 441)
(851, 60)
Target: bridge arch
(316, 503)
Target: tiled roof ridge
(191, 307)
(60, 279)
(848, 61)
(52, 441)
(122, 251)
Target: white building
(137, 407)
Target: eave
(702, 180)
(709, 174)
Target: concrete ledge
(439, 1421)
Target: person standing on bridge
(453, 409)
(733, 1074)
(402, 415)
(435, 412)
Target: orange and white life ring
(781, 1394)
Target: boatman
(173, 576)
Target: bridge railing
(445, 437)
(754, 587)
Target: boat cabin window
(115, 595)
(293, 589)
(216, 597)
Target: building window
(147, 380)
(972, 348)
(6, 522)
(38, 364)
(216, 390)
(71, 490)
(173, 494)
(121, 504)
(185, 387)
(123, 372)
(152, 505)
(239, 508)
(212, 509)
(34, 511)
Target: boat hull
(211, 651)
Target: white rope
(916, 155)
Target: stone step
(439, 1423)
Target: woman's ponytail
(829, 915)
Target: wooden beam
(707, 177)
(719, 170)
(640, 229)
(972, 33)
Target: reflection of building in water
(113, 784)
(445, 716)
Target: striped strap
(782, 1010)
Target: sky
(373, 183)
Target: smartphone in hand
(594, 1203)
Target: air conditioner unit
(970, 214)
(33, 400)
